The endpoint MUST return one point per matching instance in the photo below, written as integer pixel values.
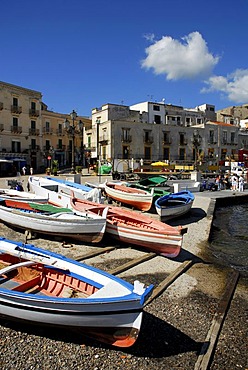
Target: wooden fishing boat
(132, 227)
(21, 195)
(50, 220)
(42, 287)
(136, 198)
(58, 192)
(174, 205)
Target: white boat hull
(116, 307)
(88, 228)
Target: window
(166, 153)
(181, 153)
(181, 139)
(60, 128)
(166, 138)
(125, 134)
(33, 125)
(157, 119)
(60, 144)
(33, 105)
(16, 146)
(47, 127)
(15, 121)
(211, 137)
(232, 137)
(224, 137)
(33, 144)
(104, 152)
(89, 141)
(147, 152)
(125, 152)
(47, 144)
(15, 102)
(156, 108)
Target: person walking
(24, 170)
(241, 183)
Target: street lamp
(71, 130)
(196, 141)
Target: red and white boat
(136, 198)
(132, 227)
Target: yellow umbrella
(159, 164)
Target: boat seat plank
(7, 269)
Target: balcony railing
(34, 113)
(148, 140)
(167, 141)
(126, 138)
(16, 129)
(103, 138)
(59, 132)
(47, 130)
(34, 147)
(16, 109)
(34, 131)
(60, 147)
(183, 142)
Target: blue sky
(81, 54)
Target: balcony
(16, 109)
(59, 132)
(34, 113)
(34, 132)
(148, 139)
(16, 129)
(47, 131)
(126, 138)
(34, 148)
(167, 142)
(103, 139)
(183, 142)
(60, 147)
(1, 127)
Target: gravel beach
(175, 324)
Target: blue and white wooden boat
(42, 287)
(174, 205)
(59, 191)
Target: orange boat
(132, 227)
(137, 198)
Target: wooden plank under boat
(42, 287)
(132, 227)
(174, 205)
(136, 198)
(50, 220)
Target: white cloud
(234, 86)
(188, 58)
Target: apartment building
(150, 132)
(33, 136)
